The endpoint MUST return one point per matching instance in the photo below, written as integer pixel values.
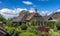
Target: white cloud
(58, 10)
(27, 2)
(49, 12)
(31, 10)
(9, 13)
(43, 13)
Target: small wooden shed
(3, 32)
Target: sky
(11, 8)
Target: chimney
(35, 10)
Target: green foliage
(58, 24)
(1, 18)
(52, 33)
(8, 23)
(49, 24)
(13, 31)
(31, 22)
(5, 21)
(10, 30)
(43, 34)
(23, 30)
(27, 34)
(32, 29)
(23, 27)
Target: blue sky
(50, 5)
(40, 5)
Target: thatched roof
(46, 18)
(25, 15)
(22, 16)
(55, 15)
(29, 16)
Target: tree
(9, 23)
(2, 18)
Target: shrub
(13, 31)
(52, 33)
(58, 26)
(32, 29)
(23, 27)
(43, 28)
(27, 34)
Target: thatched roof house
(55, 16)
(25, 16)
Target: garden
(24, 30)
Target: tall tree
(2, 18)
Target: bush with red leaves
(43, 28)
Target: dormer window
(50, 18)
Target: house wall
(1, 34)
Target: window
(50, 18)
